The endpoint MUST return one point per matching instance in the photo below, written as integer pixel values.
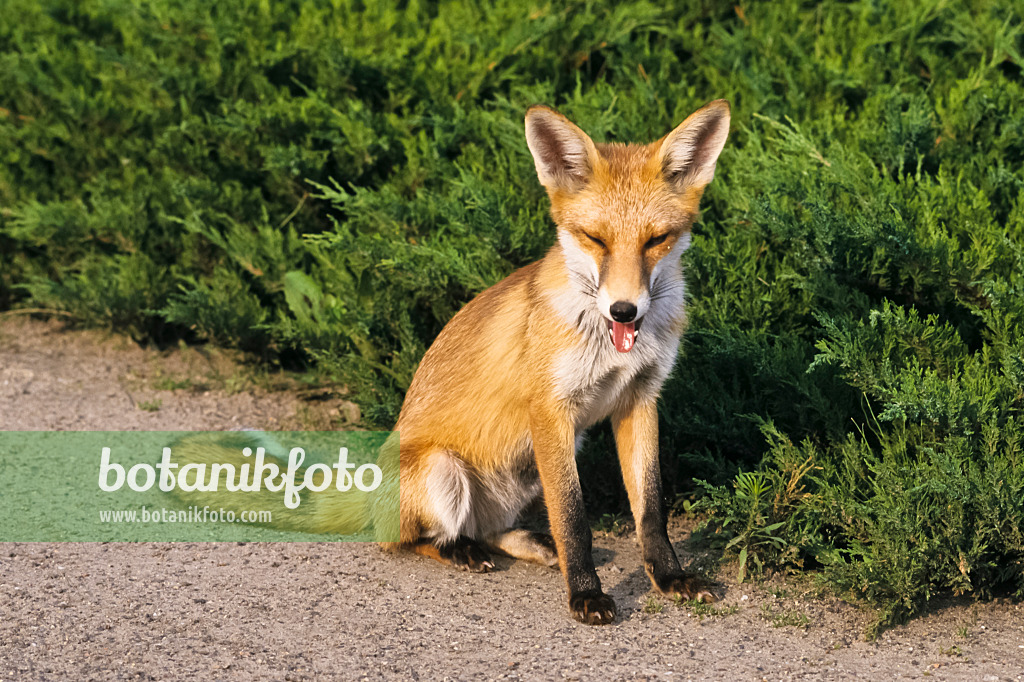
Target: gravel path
(304, 611)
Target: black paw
(467, 555)
(592, 608)
(685, 587)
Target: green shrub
(330, 181)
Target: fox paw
(686, 587)
(592, 608)
(467, 555)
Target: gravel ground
(303, 611)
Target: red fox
(503, 397)
(501, 400)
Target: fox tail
(218, 458)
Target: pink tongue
(623, 336)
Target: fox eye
(654, 241)
(594, 239)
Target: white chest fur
(591, 378)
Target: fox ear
(688, 153)
(564, 154)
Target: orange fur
(501, 397)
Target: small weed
(171, 384)
(794, 619)
(236, 383)
(704, 610)
(151, 405)
(787, 618)
(615, 524)
(653, 605)
(951, 651)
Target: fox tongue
(623, 336)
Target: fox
(503, 397)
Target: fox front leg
(554, 447)
(636, 438)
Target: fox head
(624, 212)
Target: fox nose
(622, 311)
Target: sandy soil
(346, 611)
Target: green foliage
(331, 180)
(764, 518)
(788, 618)
(704, 610)
(653, 606)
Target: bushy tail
(220, 457)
